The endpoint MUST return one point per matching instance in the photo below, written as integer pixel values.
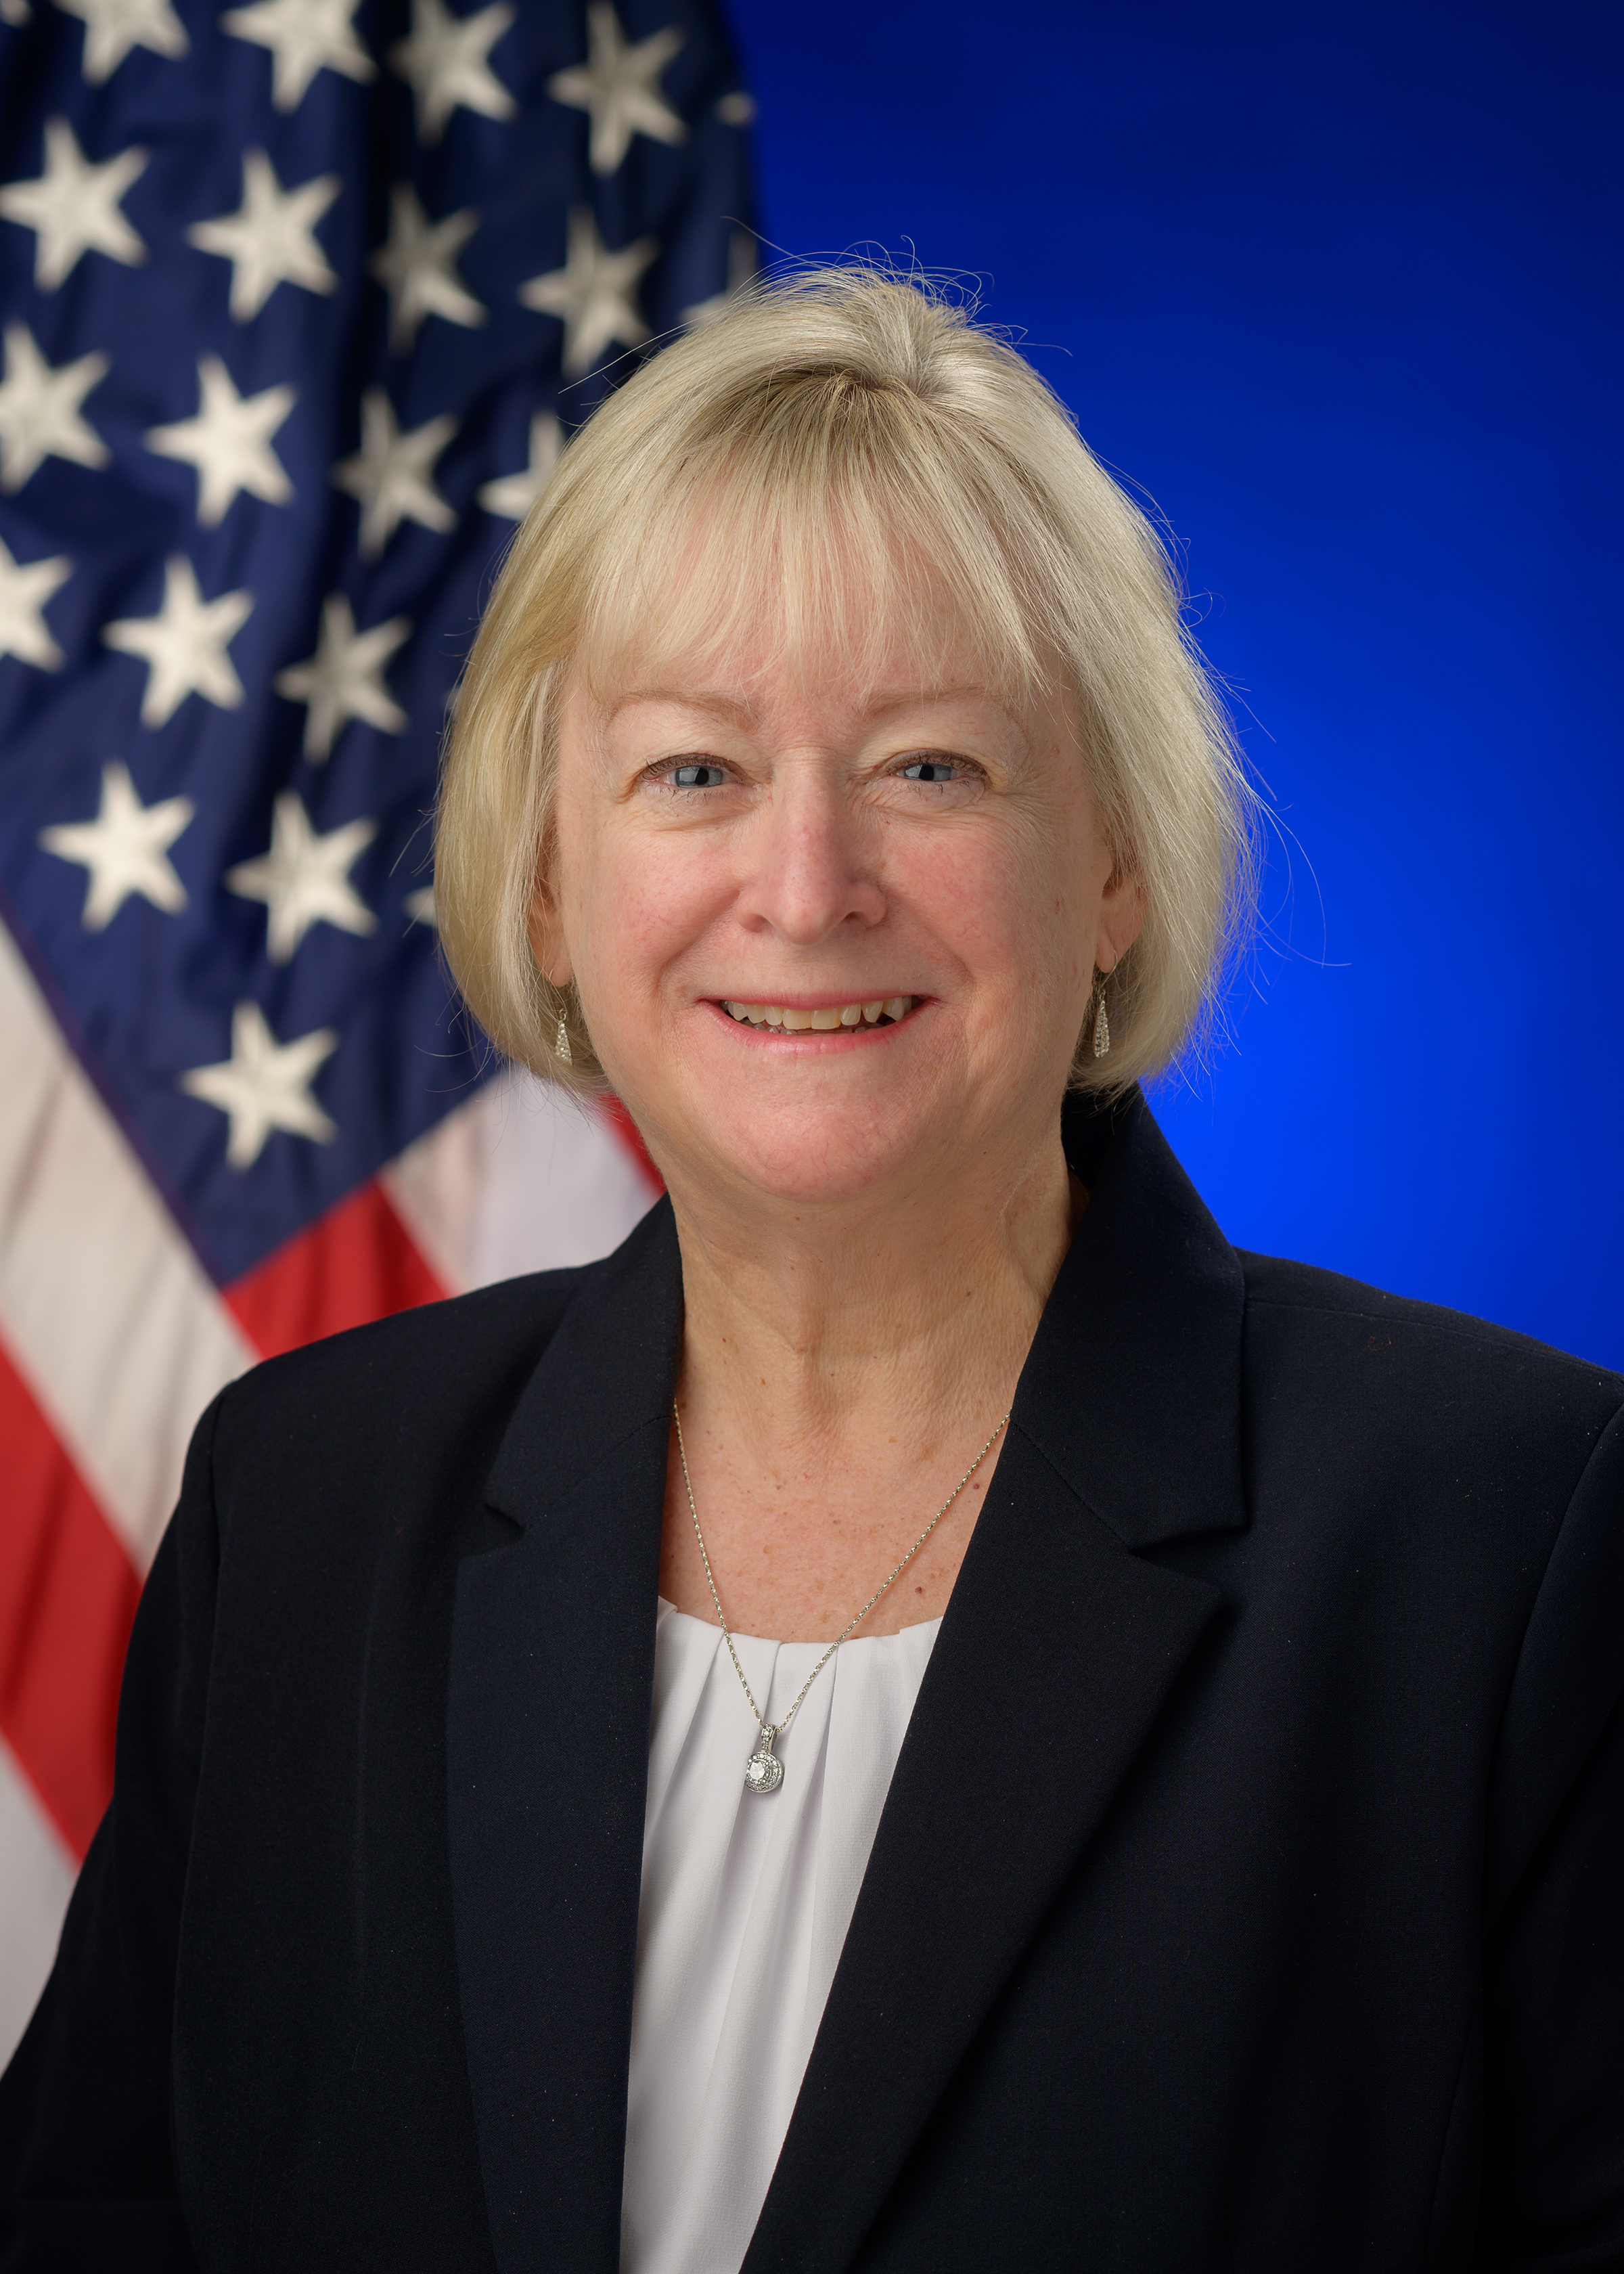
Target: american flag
(300, 298)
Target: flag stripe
(36, 1878)
(357, 1263)
(524, 1177)
(107, 1312)
(68, 1593)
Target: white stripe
(523, 1178)
(104, 1306)
(36, 1878)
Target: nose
(811, 864)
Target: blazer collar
(1060, 1651)
(1133, 1387)
(550, 1693)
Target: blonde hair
(818, 443)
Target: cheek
(638, 900)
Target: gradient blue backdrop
(1338, 290)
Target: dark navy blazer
(1250, 1893)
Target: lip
(775, 1038)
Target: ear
(1122, 919)
(546, 931)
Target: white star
(125, 849)
(343, 680)
(418, 268)
(39, 409)
(305, 36)
(112, 28)
(594, 293)
(740, 269)
(390, 473)
(620, 84)
(512, 496)
(229, 443)
(420, 905)
(184, 644)
(445, 60)
(24, 592)
(72, 207)
(270, 239)
(305, 877)
(265, 1085)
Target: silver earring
(560, 1041)
(1101, 1024)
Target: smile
(885, 1011)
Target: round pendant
(764, 1771)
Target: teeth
(823, 1020)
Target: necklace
(764, 1771)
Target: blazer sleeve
(87, 2168)
(1554, 1974)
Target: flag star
(24, 590)
(343, 680)
(112, 28)
(594, 293)
(72, 207)
(737, 109)
(420, 905)
(184, 644)
(619, 84)
(740, 269)
(305, 877)
(445, 58)
(418, 268)
(265, 1085)
(304, 37)
(390, 473)
(270, 240)
(229, 443)
(512, 496)
(15, 11)
(40, 409)
(125, 849)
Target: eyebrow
(742, 713)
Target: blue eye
(700, 775)
(929, 769)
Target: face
(903, 886)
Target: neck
(898, 1324)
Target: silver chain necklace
(764, 1771)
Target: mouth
(825, 1018)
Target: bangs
(839, 523)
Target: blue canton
(299, 300)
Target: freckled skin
(871, 1219)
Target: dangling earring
(561, 1042)
(1101, 1024)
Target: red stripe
(626, 1130)
(357, 1263)
(68, 1594)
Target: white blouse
(746, 1903)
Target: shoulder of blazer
(1464, 1382)
(401, 1395)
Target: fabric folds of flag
(300, 300)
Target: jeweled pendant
(1102, 1029)
(764, 1771)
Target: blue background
(1339, 290)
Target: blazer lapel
(551, 1688)
(1059, 1650)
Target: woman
(1206, 1850)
